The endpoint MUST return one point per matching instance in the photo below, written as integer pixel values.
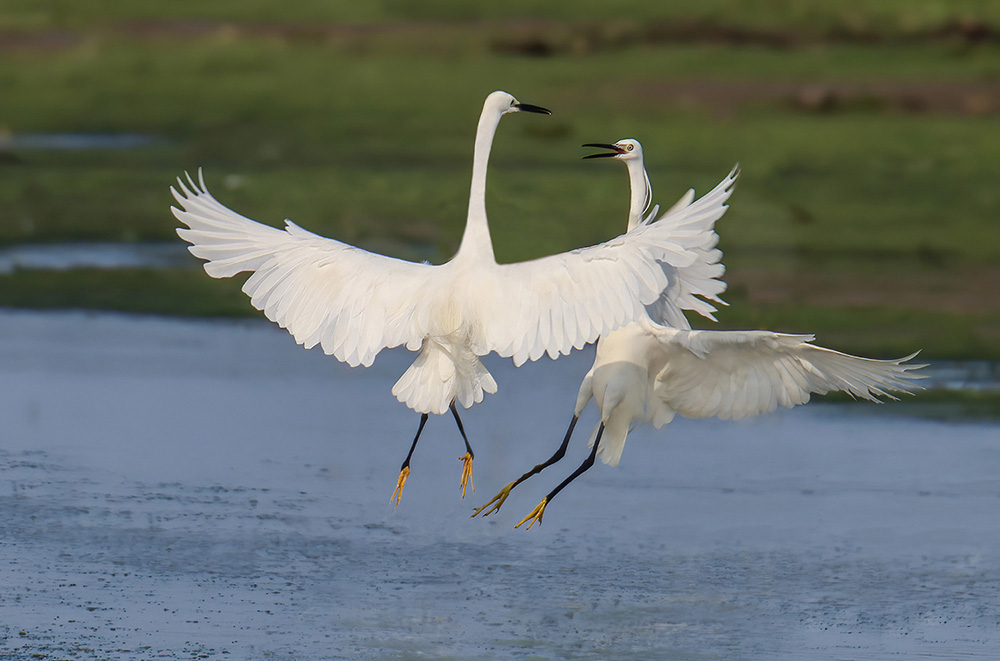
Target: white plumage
(647, 371)
(353, 303)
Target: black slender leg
(559, 454)
(461, 429)
(587, 463)
(497, 501)
(404, 471)
(423, 421)
(536, 514)
(466, 459)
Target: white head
(630, 151)
(503, 103)
(626, 149)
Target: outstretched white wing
(564, 301)
(556, 303)
(351, 302)
(702, 278)
(354, 303)
(738, 374)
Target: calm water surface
(185, 490)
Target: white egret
(354, 303)
(699, 278)
(647, 372)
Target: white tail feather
(443, 374)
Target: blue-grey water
(76, 141)
(179, 490)
(67, 256)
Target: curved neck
(642, 193)
(476, 239)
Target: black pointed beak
(600, 145)
(527, 107)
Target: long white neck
(642, 193)
(476, 241)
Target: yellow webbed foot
(497, 501)
(536, 515)
(466, 460)
(398, 493)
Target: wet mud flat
(178, 490)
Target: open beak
(527, 107)
(615, 150)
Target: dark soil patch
(724, 97)
(538, 37)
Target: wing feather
(605, 286)
(354, 303)
(702, 278)
(737, 374)
(323, 291)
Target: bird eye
(628, 147)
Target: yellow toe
(495, 504)
(398, 493)
(466, 460)
(536, 515)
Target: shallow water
(66, 256)
(77, 141)
(175, 489)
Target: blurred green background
(868, 132)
